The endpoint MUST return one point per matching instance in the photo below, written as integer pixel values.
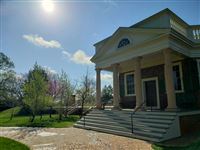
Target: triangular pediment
(135, 36)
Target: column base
(98, 106)
(116, 108)
(172, 109)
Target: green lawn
(23, 121)
(193, 146)
(8, 144)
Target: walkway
(71, 139)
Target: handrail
(84, 114)
(134, 113)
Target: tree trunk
(40, 116)
(60, 116)
(33, 117)
(12, 113)
(82, 107)
(50, 111)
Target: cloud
(106, 77)
(65, 53)
(49, 70)
(110, 5)
(79, 57)
(40, 41)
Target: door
(150, 89)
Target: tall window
(177, 76)
(123, 42)
(129, 84)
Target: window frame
(181, 76)
(125, 83)
(119, 42)
(198, 68)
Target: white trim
(125, 84)
(157, 90)
(181, 76)
(198, 67)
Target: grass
(188, 142)
(24, 121)
(8, 144)
(193, 146)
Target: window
(177, 77)
(129, 84)
(198, 66)
(123, 42)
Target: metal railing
(84, 114)
(134, 113)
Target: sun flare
(48, 5)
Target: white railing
(176, 26)
(196, 33)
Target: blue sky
(64, 38)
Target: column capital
(115, 65)
(167, 51)
(137, 58)
(98, 69)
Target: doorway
(151, 93)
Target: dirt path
(71, 139)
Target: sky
(60, 35)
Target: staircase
(150, 126)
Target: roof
(164, 11)
(137, 25)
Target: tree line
(40, 88)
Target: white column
(138, 81)
(98, 88)
(116, 86)
(169, 83)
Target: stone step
(148, 133)
(107, 126)
(127, 126)
(109, 118)
(134, 116)
(128, 120)
(127, 134)
(111, 122)
(150, 120)
(149, 124)
(153, 117)
(159, 113)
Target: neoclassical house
(156, 61)
(156, 71)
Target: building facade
(155, 63)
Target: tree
(86, 91)
(5, 62)
(36, 91)
(7, 80)
(107, 92)
(65, 91)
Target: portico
(138, 64)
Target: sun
(48, 5)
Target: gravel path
(71, 139)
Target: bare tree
(86, 90)
(65, 90)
